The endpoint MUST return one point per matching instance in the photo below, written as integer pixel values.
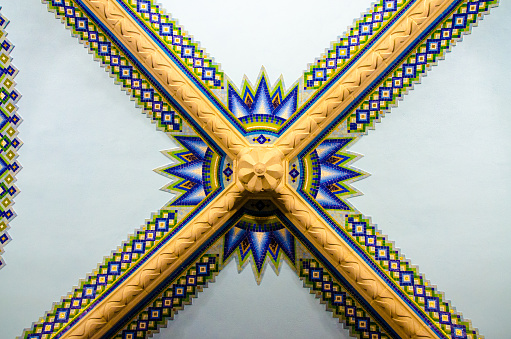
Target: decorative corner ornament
(260, 169)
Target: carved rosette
(260, 169)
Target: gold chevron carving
(169, 75)
(311, 225)
(168, 259)
(347, 262)
(362, 73)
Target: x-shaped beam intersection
(260, 172)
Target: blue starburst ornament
(197, 177)
(330, 174)
(262, 109)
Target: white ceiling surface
(440, 186)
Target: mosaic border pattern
(156, 314)
(173, 299)
(417, 64)
(113, 269)
(170, 33)
(119, 67)
(339, 301)
(346, 48)
(9, 142)
(407, 276)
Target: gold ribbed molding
(159, 266)
(368, 68)
(260, 171)
(348, 263)
(169, 76)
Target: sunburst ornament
(262, 107)
(196, 171)
(330, 164)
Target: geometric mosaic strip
(115, 62)
(9, 143)
(124, 261)
(113, 269)
(175, 38)
(397, 268)
(417, 63)
(172, 299)
(339, 300)
(364, 30)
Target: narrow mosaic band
(9, 143)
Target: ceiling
(440, 166)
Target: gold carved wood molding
(351, 84)
(351, 266)
(169, 76)
(166, 260)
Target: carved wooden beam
(392, 308)
(169, 76)
(166, 260)
(358, 78)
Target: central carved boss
(260, 169)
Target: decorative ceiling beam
(170, 258)
(344, 259)
(338, 96)
(203, 109)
